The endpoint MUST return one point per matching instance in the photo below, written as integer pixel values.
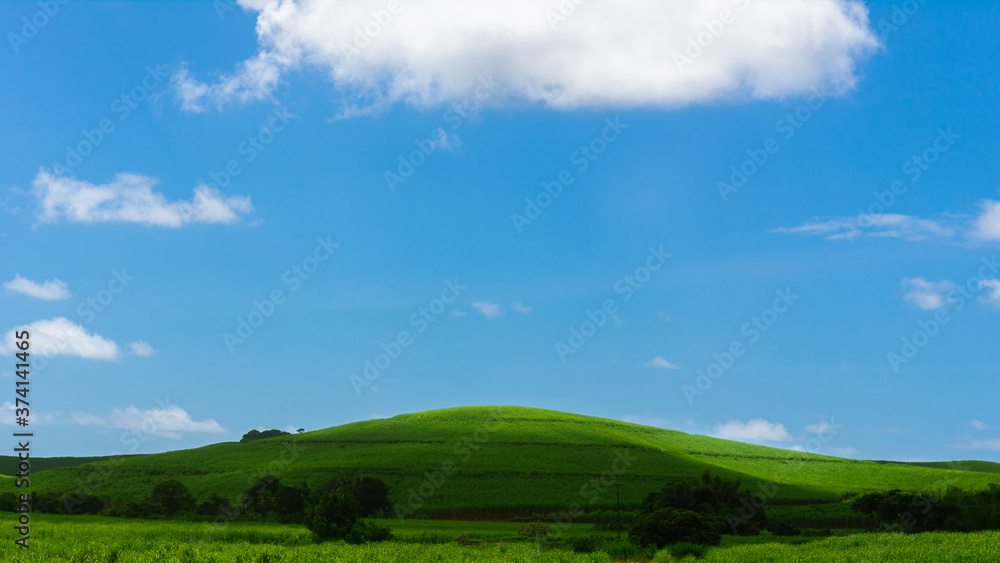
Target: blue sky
(773, 309)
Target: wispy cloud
(927, 295)
(886, 225)
(661, 363)
(49, 290)
(141, 349)
(521, 308)
(980, 425)
(130, 199)
(616, 53)
(489, 309)
(992, 444)
(755, 430)
(169, 422)
(993, 296)
(987, 225)
(820, 428)
(60, 336)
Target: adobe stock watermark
(455, 116)
(292, 278)
(703, 39)
(928, 329)
(420, 320)
(582, 158)
(122, 108)
(432, 481)
(757, 158)
(753, 329)
(591, 492)
(563, 11)
(251, 147)
(899, 16)
(291, 450)
(88, 310)
(30, 27)
(914, 169)
(765, 492)
(626, 286)
(365, 34)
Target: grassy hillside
(8, 464)
(970, 465)
(500, 458)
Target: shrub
(621, 549)
(332, 515)
(534, 530)
(683, 549)
(173, 496)
(782, 528)
(585, 544)
(670, 525)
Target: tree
(672, 525)
(173, 497)
(332, 515)
(258, 435)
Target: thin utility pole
(618, 493)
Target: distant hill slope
(967, 465)
(499, 458)
(8, 464)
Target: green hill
(8, 464)
(968, 465)
(501, 459)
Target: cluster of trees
(952, 510)
(258, 435)
(700, 511)
(333, 511)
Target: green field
(502, 460)
(86, 539)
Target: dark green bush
(683, 549)
(586, 544)
(670, 525)
(782, 528)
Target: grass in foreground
(100, 540)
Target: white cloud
(927, 295)
(645, 420)
(141, 349)
(49, 290)
(61, 337)
(488, 308)
(756, 430)
(169, 422)
(8, 415)
(620, 53)
(662, 363)
(459, 313)
(993, 297)
(980, 425)
(130, 199)
(521, 308)
(820, 428)
(987, 225)
(885, 225)
(991, 444)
